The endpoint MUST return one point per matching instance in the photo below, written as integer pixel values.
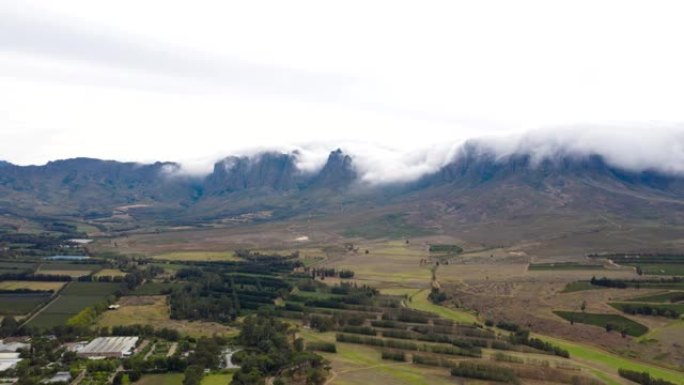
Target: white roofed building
(109, 347)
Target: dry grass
(197, 256)
(31, 285)
(110, 273)
(71, 273)
(153, 310)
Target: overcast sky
(182, 81)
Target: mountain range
(477, 186)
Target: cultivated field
(109, 273)
(161, 379)
(21, 304)
(75, 297)
(31, 285)
(197, 256)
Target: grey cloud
(635, 147)
(44, 35)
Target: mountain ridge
(477, 181)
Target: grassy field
(161, 379)
(597, 360)
(665, 297)
(363, 365)
(388, 264)
(32, 285)
(217, 379)
(20, 304)
(661, 268)
(197, 256)
(564, 266)
(418, 299)
(109, 273)
(612, 362)
(90, 289)
(153, 288)
(153, 310)
(619, 322)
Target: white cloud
(398, 84)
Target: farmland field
(153, 288)
(161, 379)
(74, 297)
(20, 304)
(217, 379)
(109, 273)
(601, 320)
(667, 297)
(7, 267)
(153, 310)
(31, 285)
(661, 269)
(564, 266)
(90, 289)
(197, 256)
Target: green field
(612, 361)
(20, 304)
(7, 267)
(418, 299)
(661, 268)
(60, 265)
(666, 297)
(217, 379)
(153, 288)
(619, 322)
(90, 288)
(161, 379)
(75, 297)
(564, 266)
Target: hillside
(491, 198)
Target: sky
(399, 84)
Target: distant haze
(398, 85)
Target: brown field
(109, 273)
(153, 310)
(71, 273)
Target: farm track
(54, 298)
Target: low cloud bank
(656, 147)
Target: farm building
(12, 345)
(8, 360)
(109, 347)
